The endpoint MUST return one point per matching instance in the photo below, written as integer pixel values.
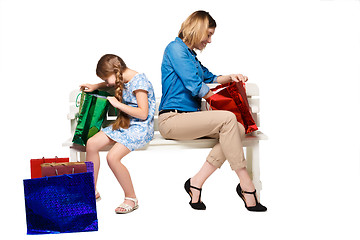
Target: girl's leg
(117, 152)
(93, 146)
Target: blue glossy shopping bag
(60, 204)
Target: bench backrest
(252, 92)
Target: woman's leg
(114, 157)
(218, 124)
(199, 179)
(93, 146)
(246, 185)
(217, 156)
(207, 169)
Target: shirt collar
(177, 39)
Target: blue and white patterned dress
(140, 131)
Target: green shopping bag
(92, 113)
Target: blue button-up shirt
(183, 78)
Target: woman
(184, 81)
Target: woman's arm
(232, 77)
(209, 77)
(141, 112)
(209, 94)
(181, 61)
(226, 79)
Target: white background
(305, 57)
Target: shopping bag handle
(76, 101)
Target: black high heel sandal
(198, 205)
(258, 207)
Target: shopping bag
(35, 165)
(55, 169)
(232, 97)
(60, 204)
(92, 113)
(89, 166)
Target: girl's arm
(87, 87)
(141, 112)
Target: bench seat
(159, 141)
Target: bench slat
(158, 140)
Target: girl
(133, 128)
(183, 85)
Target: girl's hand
(238, 78)
(113, 101)
(87, 87)
(140, 112)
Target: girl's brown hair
(111, 64)
(195, 27)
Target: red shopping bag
(35, 165)
(55, 169)
(232, 97)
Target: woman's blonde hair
(111, 64)
(195, 27)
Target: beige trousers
(221, 125)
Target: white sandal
(97, 196)
(127, 207)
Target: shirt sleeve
(141, 84)
(186, 69)
(208, 76)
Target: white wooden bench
(251, 141)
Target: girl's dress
(140, 131)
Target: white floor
(301, 205)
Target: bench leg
(253, 159)
(82, 156)
(73, 155)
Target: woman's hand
(87, 87)
(238, 78)
(232, 78)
